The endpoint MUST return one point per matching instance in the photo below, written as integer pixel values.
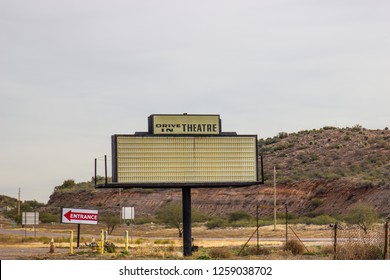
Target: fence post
(335, 242)
(126, 241)
(257, 226)
(386, 251)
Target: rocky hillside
(312, 197)
(7, 202)
(323, 171)
(329, 153)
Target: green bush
(49, 218)
(315, 202)
(318, 220)
(239, 215)
(357, 128)
(216, 223)
(243, 223)
(282, 135)
(203, 257)
(329, 128)
(362, 215)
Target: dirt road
(29, 253)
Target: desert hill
(324, 171)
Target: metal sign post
(187, 230)
(127, 215)
(78, 236)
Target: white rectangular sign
(79, 216)
(30, 218)
(128, 213)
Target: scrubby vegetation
(70, 186)
(329, 153)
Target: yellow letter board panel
(164, 159)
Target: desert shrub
(328, 128)
(109, 247)
(244, 223)
(198, 216)
(327, 250)
(68, 183)
(220, 253)
(171, 214)
(295, 247)
(347, 138)
(357, 128)
(278, 147)
(312, 218)
(216, 222)
(203, 257)
(315, 202)
(252, 251)
(363, 215)
(282, 135)
(273, 140)
(239, 215)
(49, 218)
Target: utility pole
(18, 204)
(274, 198)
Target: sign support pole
(187, 234)
(78, 236)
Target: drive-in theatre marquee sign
(184, 150)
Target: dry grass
(157, 242)
(159, 231)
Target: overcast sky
(72, 73)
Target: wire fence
(354, 243)
(350, 242)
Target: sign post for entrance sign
(184, 151)
(79, 216)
